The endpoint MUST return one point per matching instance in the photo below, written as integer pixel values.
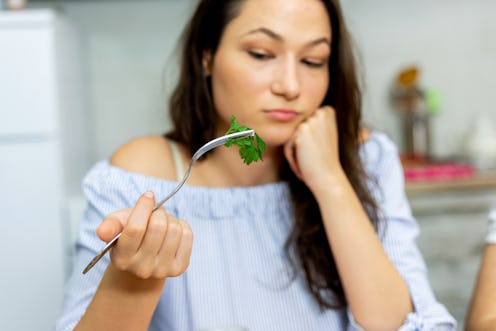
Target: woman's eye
(314, 63)
(259, 55)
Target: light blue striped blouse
(238, 274)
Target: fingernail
(149, 194)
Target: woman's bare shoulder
(149, 155)
(364, 135)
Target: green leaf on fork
(250, 148)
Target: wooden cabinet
(452, 217)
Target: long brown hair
(193, 117)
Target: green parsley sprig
(250, 148)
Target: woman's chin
(275, 142)
(275, 138)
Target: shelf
(475, 194)
(481, 181)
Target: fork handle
(112, 242)
(97, 258)
(202, 150)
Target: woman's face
(271, 67)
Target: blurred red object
(443, 171)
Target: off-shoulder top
(238, 273)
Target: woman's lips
(281, 114)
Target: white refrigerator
(43, 154)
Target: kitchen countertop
(482, 180)
(476, 193)
(452, 217)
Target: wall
(127, 47)
(452, 41)
(128, 65)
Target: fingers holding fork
(152, 242)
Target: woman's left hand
(313, 151)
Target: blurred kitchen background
(79, 78)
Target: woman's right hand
(152, 244)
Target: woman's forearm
(377, 295)
(122, 302)
(482, 312)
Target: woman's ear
(207, 63)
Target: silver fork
(202, 150)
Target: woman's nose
(286, 82)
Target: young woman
(318, 236)
(482, 311)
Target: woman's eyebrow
(278, 37)
(322, 40)
(267, 32)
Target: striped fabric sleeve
(398, 231)
(106, 192)
(491, 227)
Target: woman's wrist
(131, 283)
(332, 185)
(123, 301)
